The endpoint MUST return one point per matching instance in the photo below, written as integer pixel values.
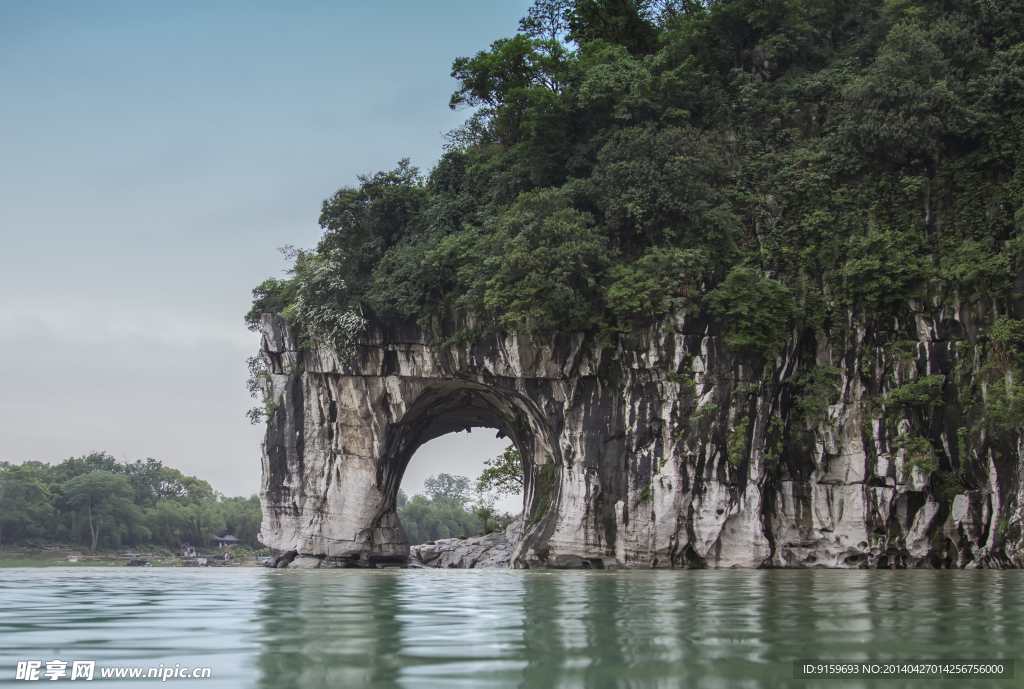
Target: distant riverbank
(59, 558)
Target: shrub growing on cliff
(1007, 341)
(818, 389)
(660, 279)
(918, 454)
(503, 474)
(884, 271)
(759, 311)
(271, 296)
(323, 302)
(919, 392)
(738, 443)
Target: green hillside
(771, 162)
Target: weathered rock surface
(485, 552)
(493, 551)
(666, 451)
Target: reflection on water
(346, 628)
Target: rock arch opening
(447, 407)
(466, 455)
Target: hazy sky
(153, 155)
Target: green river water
(459, 628)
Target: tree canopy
(446, 486)
(503, 475)
(103, 498)
(775, 164)
(450, 508)
(100, 502)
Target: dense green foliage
(445, 486)
(503, 475)
(775, 163)
(97, 501)
(450, 509)
(429, 519)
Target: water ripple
(451, 629)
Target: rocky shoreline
(493, 551)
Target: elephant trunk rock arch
(665, 451)
(340, 436)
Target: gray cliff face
(667, 451)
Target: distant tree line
(450, 508)
(97, 502)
